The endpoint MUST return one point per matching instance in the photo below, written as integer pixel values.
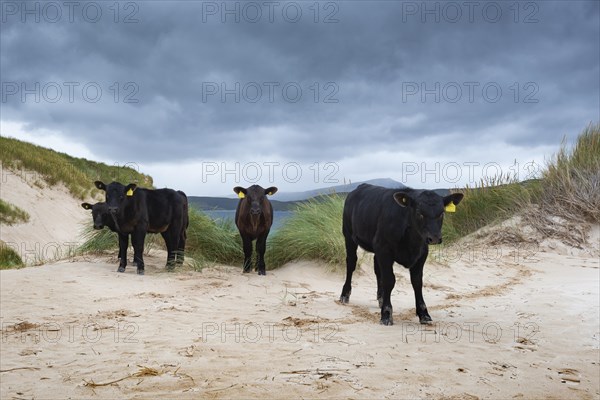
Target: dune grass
(9, 258)
(571, 181)
(491, 201)
(77, 174)
(314, 232)
(11, 214)
(213, 241)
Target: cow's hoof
(345, 299)
(247, 270)
(121, 269)
(380, 301)
(425, 319)
(262, 272)
(386, 316)
(140, 271)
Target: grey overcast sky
(205, 96)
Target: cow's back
(163, 206)
(371, 212)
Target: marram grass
(313, 232)
(11, 214)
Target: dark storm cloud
(366, 68)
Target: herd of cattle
(397, 225)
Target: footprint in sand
(569, 375)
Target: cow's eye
(421, 216)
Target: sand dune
(509, 322)
(56, 218)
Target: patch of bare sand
(506, 326)
(56, 218)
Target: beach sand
(509, 322)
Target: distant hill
(222, 203)
(296, 196)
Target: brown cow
(254, 217)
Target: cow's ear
(271, 191)
(454, 198)
(403, 199)
(87, 206)
(100, 185)
(129, 189)
(240, 191)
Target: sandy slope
(55, 217)
(509, 323)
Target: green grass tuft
(9, 258)
(213, 241)
(98, 241)
(314, 232)
(490, 202)
(11, 214)
(571, 181)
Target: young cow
(254, 217)
(136, 211)
(397, 225)
(102, 218)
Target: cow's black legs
(261, 247)
(172, 237)
(378, 275)
(168, 236)
(247, 254)
(351, 259)
(181, 248)
(137, 239)
(388, 281)
(123, 243)
(181, 244)
(416, 278)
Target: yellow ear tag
(241, 195)
(270, 193)
(130, 192)
(450, 208)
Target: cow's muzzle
(98, 226)
(434, 240)
(255, 211)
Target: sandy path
(504, 328)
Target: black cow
(254, 217)
(102, 218)
(396, 225)
(137, 211)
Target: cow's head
(426, 210)
(255, 198)
(117, 194)
(99, 210)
